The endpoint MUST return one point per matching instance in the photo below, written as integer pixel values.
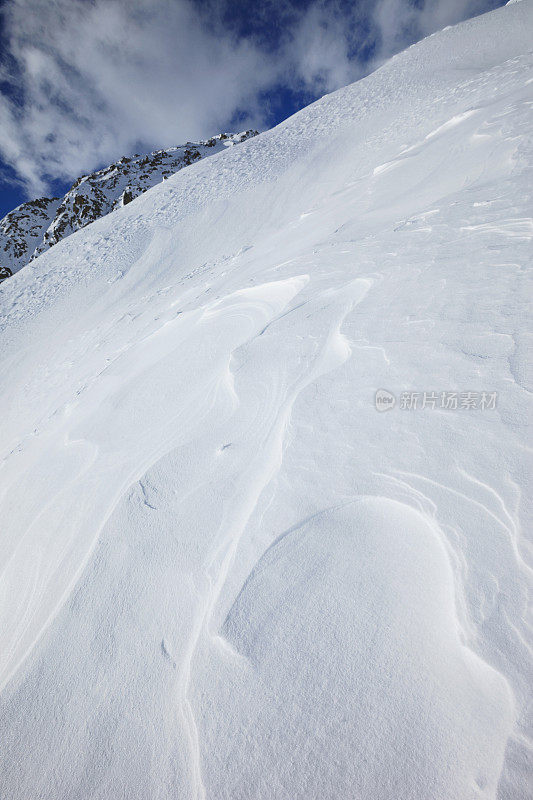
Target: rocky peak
(33, 227)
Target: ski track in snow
(224, 574)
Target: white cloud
(100, 78)
(320, 48)
(92, 80)
(401, 22)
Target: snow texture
(225, 574)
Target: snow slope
(35, 226)
(225, 574)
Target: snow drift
(225, 574)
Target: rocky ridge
(35, 226)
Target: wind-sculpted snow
(225, 574)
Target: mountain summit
(35, 226)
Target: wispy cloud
(95, 79)
(89, 80)
(402, 22)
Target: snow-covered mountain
(23, 229)
(33, 227)
(225, 573)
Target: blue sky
(83, 82)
